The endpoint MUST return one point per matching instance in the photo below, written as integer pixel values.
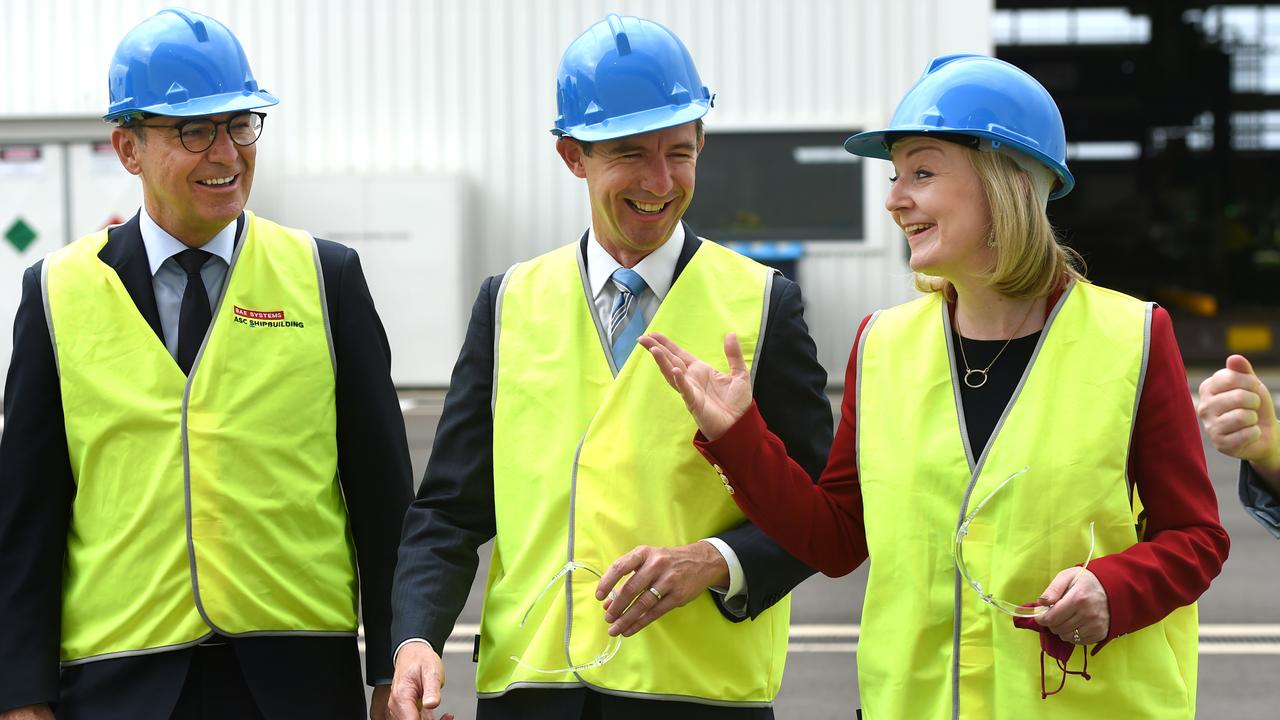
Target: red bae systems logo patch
(259, 314)
(263, 318)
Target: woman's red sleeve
(821, 524)
(1184, 544)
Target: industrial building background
(416, 131)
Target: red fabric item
(1184, 544)
(1058, 649)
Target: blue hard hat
(625, 76)
(979, 97)
(181, 63)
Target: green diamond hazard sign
(20, 235)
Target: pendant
(975, 385)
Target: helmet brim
(636, 123)
(874, 144)
(210, 105)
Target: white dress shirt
(169, 280)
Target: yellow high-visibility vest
(587, 465)
(208, 503)
(929, 647)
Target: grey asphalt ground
(1239, 680)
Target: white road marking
(847, 648)
(825, 631)
(1218, 630)
(1268, 648)
(1216, 639)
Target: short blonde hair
(1030, 260)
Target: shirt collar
(161, 246)
(658, 268)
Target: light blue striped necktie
(623, 331)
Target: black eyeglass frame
(213, 136)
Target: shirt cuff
(1258, 500)
(737, 583)
(396, 656)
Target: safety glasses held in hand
(604, 656)
(1004, 606)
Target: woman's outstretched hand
(715, 400)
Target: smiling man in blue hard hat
(204, 462)
(621, 585)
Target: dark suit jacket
(454, 512)
(37, 487)
(1258, 499)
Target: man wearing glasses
(203, 464)
(560, 438)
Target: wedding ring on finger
(655, 592)
(1075, 636)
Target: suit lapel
(125, 253)
(691, 243)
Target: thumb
(430, 689)
(1058, 587)
(1240, 364)
(1054, 594)
(405, 696)
(733, 353)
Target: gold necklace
(982, 373)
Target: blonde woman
(1017, 448)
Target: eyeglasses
(604, 656)
(1003, 606)
(198, 134)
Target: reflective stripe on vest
(929, 647)
(210, 504)
(588, 465)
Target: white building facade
(417, 132)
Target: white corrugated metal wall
(383, 87)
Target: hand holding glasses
(1009, 608)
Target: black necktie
(193, 318)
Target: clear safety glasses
(604, 656)
(1004, 606)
